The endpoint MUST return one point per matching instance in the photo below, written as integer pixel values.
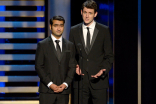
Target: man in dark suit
(55, 65)
(94, 57)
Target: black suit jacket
(50, 68)
(99, 57)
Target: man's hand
(78, 70)
(54, 87)
(61, 88)
(99, 73)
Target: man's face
(57, 28)
(88, 15)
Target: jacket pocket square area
(68, 51)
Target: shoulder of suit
(76, 26)
(98, 25)
(102, 25)
(68, 42)
(44, 40)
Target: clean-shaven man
(94, 57)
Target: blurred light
(2, 8)
(40, 8)
(109, 7)
(38, 83)
(2, 84)
(103, 6)
(2, 18)
(111, 81)
(104, 17)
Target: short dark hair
(90, 4)
(60, 18)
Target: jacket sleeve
(72, 66)
(39, 65)
(108, 53)
(71, 39)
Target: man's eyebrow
(57, 24)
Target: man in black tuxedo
(55, 65)
(94, 57)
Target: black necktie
(58, 49)
(88, 39)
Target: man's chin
(59, 35)
(87, 23)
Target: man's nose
(59, 28)
(87, 14)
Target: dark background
(148, 52)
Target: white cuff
(65, 84)
(50, 83)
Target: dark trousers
(87, 93)
(47, 98)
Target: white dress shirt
(60, 43)
(91, 30)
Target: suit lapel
(63, 48)
(82, 38)
(94, 36)
(54, 50)
(53, 47)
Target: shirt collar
(91, 26)
(53, 38)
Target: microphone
(103, 75)
(80, 65)
(79, 46)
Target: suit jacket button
(87, 59)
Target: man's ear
(50, 27)
(81, 11)
(95, 14)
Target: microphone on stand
(80, 56)
(80, 66)
(79, 46)
(103, 75)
